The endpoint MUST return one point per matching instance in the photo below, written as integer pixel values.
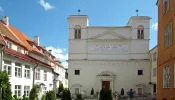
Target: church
(113, 57)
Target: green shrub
(43, 97)
(33, 93)
(25, 98)
(106, 94)
(122, 92)
(61, 87)
(79, 97)
(66, 95)
(92, 91)
(15, 97)
(50, 95)
(5, 86)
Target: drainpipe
(150, 56)
(34, 74)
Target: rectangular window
(26, 91)
(168, 35)
(27, 71)
(19, 49)
(166, 77)
(18, 90)
(37, 74)
(18, 70)
(44, 90)
(154, 72)
(165, 6)
(77, 72)
(77, 90)
(8, 67)
(155, 56)
(140, 72)
(45, 75)
(9, 45)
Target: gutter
(34, 69)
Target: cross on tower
(137, 11)
(79, 12)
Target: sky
(48, 18)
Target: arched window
(140, 32)
(77, 32)
(165, 5)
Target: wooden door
(106, 84)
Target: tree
(106, 94)
(5, 86)
(122, 92)
(66, 95)
(50, 95)
(33, 93)
(92, 91)
(61, 88)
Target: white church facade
(111, 57)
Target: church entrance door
(106, 84)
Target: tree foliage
(33, 93)
(5, 85)
(50, 95)
(61, 88)
(122, 91)
(106, 94)
(66, 95)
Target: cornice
(109, 40)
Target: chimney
(36, 39)
(5, 19)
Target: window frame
(140, 32)
(27, 71)
(37, 73)
(168, 6)
(26, 90)
(77, 32)
(9, 44)
(7, 67)
(155, 56)
(77, 73)
(168, 39)
(168, 80)
(138, 72)
(44, 89)
(45, 75)
(154, 74)
(16, 71)
(17, 90)
(19, 49)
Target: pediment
(109, 36)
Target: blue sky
(48, 18)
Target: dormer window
(165, 6)
(140, 32)
(77, 32)
(9, 45)
(19, 49)
(34, 46)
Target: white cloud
(155, 26)
(1, 9)
(46, 5)
(58, 53)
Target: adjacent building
(27, 62)
(166, 50)
(153, 61)
(113, 57)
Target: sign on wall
(109, 47)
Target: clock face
(109, 47)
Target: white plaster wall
(153, 66)
(27, 82)
(125, 71)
